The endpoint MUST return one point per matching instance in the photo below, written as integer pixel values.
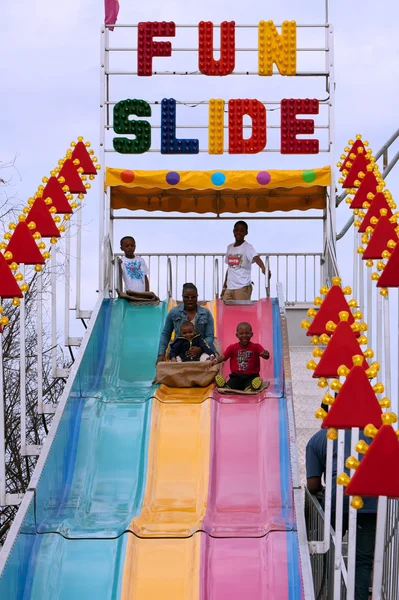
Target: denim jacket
(204, 325)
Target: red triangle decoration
(80, 152)
(339, 351)
(356, 404)
(72, 177)
(353, 150)
(359, 164)
(8, 286)
(369, 184)
(54, 191)
(40, 215)
(377, 474)
(383, 232)
(376, 205)
(390, 275)
(23, 247)
(333, 304)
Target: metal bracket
(13, 499)
(73, 341)
(31, 450)
(84, 314)
(61, 373)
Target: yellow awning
(218, 191)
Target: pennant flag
(111, 12)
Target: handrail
(267, 276)
(216, 277)
(383, 151)
(170, 278)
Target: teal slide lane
(94, 478)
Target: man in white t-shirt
(134, 269)
(239, 258)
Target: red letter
(291, 126)
(207, 64)
(257, 112)
(147, 48)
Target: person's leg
(254, 383)
(229, 295)
(365, 541)
(243, 293)
(237, 382)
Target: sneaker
(256, 383)
(220, 381)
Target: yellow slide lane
(175, 498)
(159, 569)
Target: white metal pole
(379, 547)
(78, 260)
(103, 109)
(352, 529)
(331, 91)
(370, 312)
(361, 284)
(67, 267)
(327, 495)
(54, 311)
(339, 517)
(22, 368)
(355, 265)
(40, 343)
(2, 431)
(387, 348)
(379, 327)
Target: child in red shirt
(244, 362)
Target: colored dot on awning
(127, 176)
(309, 176)
(263, 177)
(218, 178)
(172, 178)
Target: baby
(180, 347)
(244, 362)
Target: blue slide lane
(71, 544)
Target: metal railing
(300, 274)
(390, 575)
(386, 169)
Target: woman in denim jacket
(190, 310)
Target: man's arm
(260, 263)
(165, 337)
(209, 333)
(314, 485)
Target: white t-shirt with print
(134, 271)
(239, 260)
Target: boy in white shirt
(134, 269)
(239, 258)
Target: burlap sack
(185, 375)
(139, 298)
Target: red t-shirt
(244, 359)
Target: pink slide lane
(244, 498)
(245, 569)
(260, 316)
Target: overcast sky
(50, 94)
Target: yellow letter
(216, 126)
(277, 48)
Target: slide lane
(253, 551)
(94, 478)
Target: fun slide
(156, 493)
